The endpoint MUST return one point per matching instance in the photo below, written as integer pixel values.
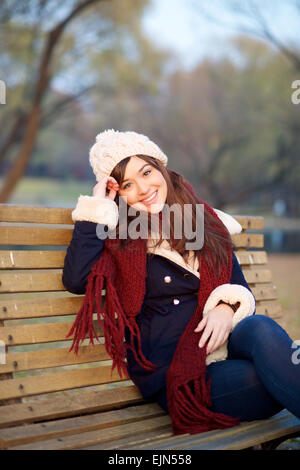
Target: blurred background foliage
(75, 68)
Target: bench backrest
(36, 311)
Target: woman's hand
(108, 182)
(216, 325)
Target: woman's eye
(127, 185)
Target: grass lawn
(50, 192)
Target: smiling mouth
(150, 199)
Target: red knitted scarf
(122, 272)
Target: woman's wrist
(230, 308)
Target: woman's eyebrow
(138, 171)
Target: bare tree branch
(263, 31)
(34, 115)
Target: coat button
(167, 279)
(175, 301)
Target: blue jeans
(261, 375)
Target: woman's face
(144, 186)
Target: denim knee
(259, 326)
(253, 331)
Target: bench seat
(53, 399)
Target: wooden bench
(52, 399)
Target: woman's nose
(143, 187)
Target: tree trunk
(22, 159)
(23, 156)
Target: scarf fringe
(113, 327)
(190, 413)
(83, 325)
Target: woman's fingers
(215, 330)
(201, 324)
(112, 183)
(205, 335)
(106, 183)
(217, 341)
(216, 335)
(112, 194)
(112, 187)
(214, 338)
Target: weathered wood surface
(57, 215)
(43, 359)
(24, 259)
(77, 404)
(239, 437)
(48, 382)
(13, 309)
(38, 333)
(117, 418)
(20, 435)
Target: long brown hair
(179, 191)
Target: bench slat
(248, 240)
(250, 222)
(39, 333)
(257, 275)
(31, 281)
(254, 434)
(30, 360)
(51, 280)
(21, 259)
(57, 407)
(270, 308)
(13, 309)
(34, 432)
(51, 236)
(34, 214)
(24, 259)
(238, 437)
(264, 292)
(48, 382)
(58, 215)
(139, 439)
(34, 236)
(76, 441)
(251, 257)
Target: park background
(210, 82)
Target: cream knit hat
(113, 146)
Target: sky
(179, 26)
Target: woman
(192, 342)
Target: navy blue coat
(161, 320)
